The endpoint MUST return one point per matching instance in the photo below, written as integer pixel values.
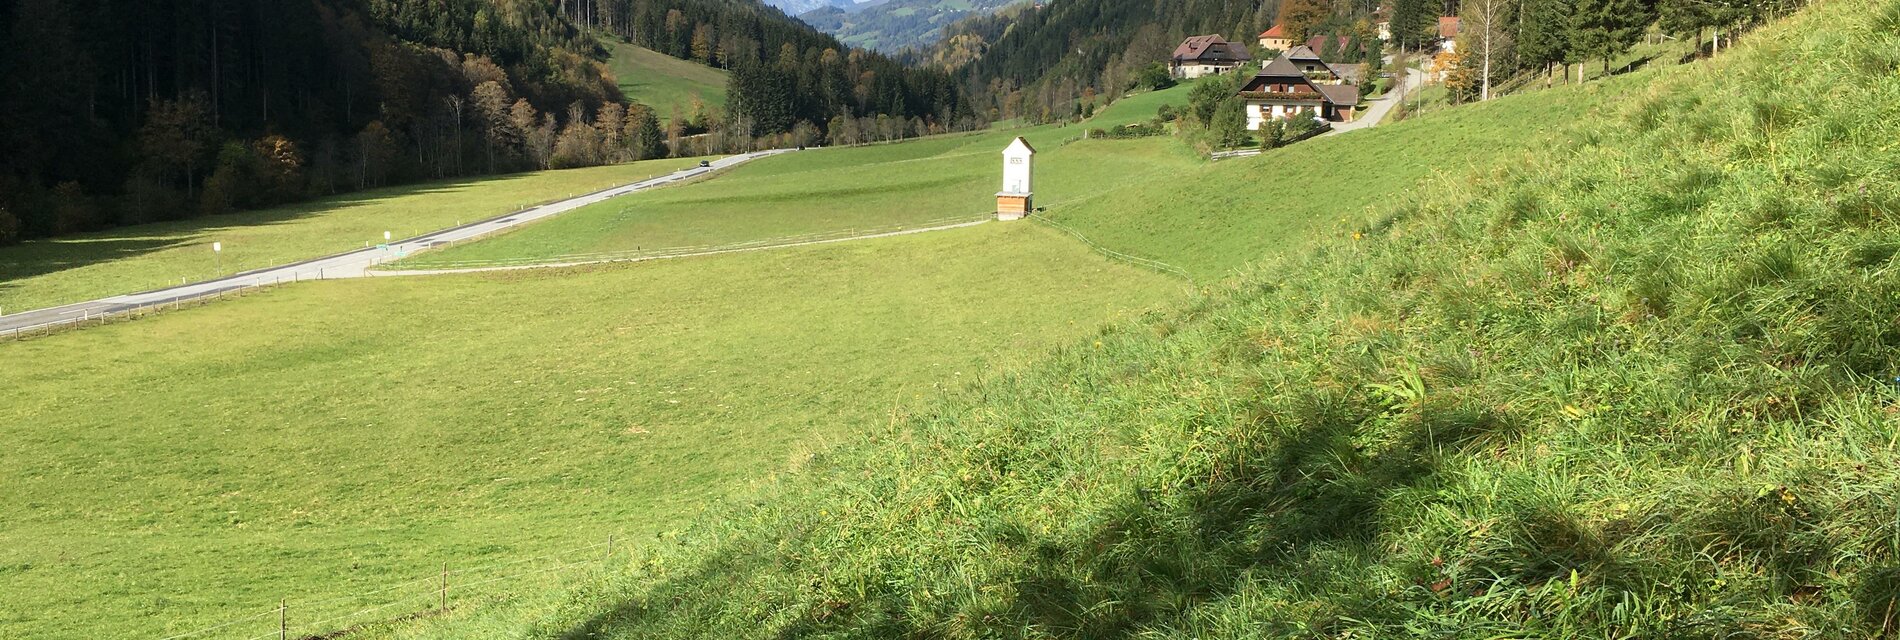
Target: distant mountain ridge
(796, 7)
(895, 25)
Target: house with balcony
(1206, 55)
(1298, 82)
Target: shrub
(1136, 130)
(1272, 134)
(1301, 124)
(1229, 128)
(234, 181)
(1153, 77)
(9, 225)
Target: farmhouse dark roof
(1288, 64)
(1301, 53)
(1344, 95)
(1281, 67)
(1210, 48)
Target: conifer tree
(1604, 29)
(1412, 20)
(1543, 34)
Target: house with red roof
(1276, 39)
(1448, 34)
(1206, 55)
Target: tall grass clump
(1642, 386)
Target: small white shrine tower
(1013, 202)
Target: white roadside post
(217, 249)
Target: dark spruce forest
(118, 112)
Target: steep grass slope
(668, 84)
(332, 442)
(1214, 218)
(1638, 385)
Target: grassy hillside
(168, 473)
(45, 273)
(1212, 219)
(834, 190)
(1639, 384)
(666, 83)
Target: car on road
(704, 164)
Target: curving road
(1377, 108)
(354, 264)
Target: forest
(785, 73)
(121, 112)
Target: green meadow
(929, 435)
(834, 191)
(1637, 382)
(331, 438)
(74, 268)
(1212, 219)
(666, 83)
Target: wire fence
(434, 594)
(672, 252)
(103, 313)
(1146, 263)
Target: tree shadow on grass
(1635, 65)
(1294, 487)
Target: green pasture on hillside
(332, 438)
(1213, 218)
(666, 83)
(74, 268)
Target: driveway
(354, 264)
(1377, 109)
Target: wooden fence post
(445, 588)
(283, 626)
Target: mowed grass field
(67, 269)
(333, 438)
(666, 83)
(842, 190)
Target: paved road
(1376, 110)
(354, 264)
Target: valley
(749, 341)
